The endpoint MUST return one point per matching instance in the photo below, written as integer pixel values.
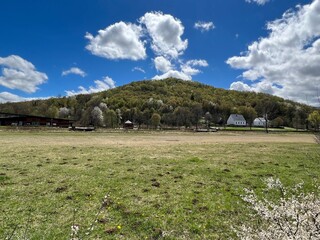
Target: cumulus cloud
(165, 32)
(9, 97)
(173, 74)
(100, 85)
(189, 67)
(186, 71)
(286, 62)
(118, 41)
(204, 26)
(240, 86)
(259, 2)
(125, 40)
(167, 43)
(74, 70)
(162, 64)
(263, 86)
(18, 73)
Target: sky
(64, 48)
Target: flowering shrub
(64, 112)
(97, 116)
(294, 216)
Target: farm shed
(128, 125)
(236, 120)
(8, 119)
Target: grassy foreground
(161, 185)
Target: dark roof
(16, 115)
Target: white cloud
(286, 62)
(74, 70)
(162, 64)
(9, 97)
(198, 62)
(165, 32)
(105, 84)
(173, 74)
(18, 73)
(263, 86)
(165, 36)
(118, 41)
(259, 2)
(187, 70)
(189, 67)
(240, 86)
(138, 69)
(204, 26)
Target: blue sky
(62, 48)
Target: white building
(259, 122)
(236, 120)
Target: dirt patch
(150, 139)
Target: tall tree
(208, 118)
(277, 122)
(249, 113)
(155, 120)
(197, 113)
(138, 117)
(97, 116)
(314, 118)
(182, 116)
(265, 106)
(110, 119)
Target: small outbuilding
(128, 125)
(236, 120)
(259, 122)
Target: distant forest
(169, 102)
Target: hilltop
(171, 101)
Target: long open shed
(9, 119)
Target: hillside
(172, 101)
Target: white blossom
(97, 116)
(103, 106)
(294, 216)
(74, 232)
(64, 112)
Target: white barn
(236, 120)
(259, 122)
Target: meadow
(159, 185)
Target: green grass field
(161, 185)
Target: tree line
(170, 102)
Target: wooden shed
(128, 125)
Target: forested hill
(176, 102)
